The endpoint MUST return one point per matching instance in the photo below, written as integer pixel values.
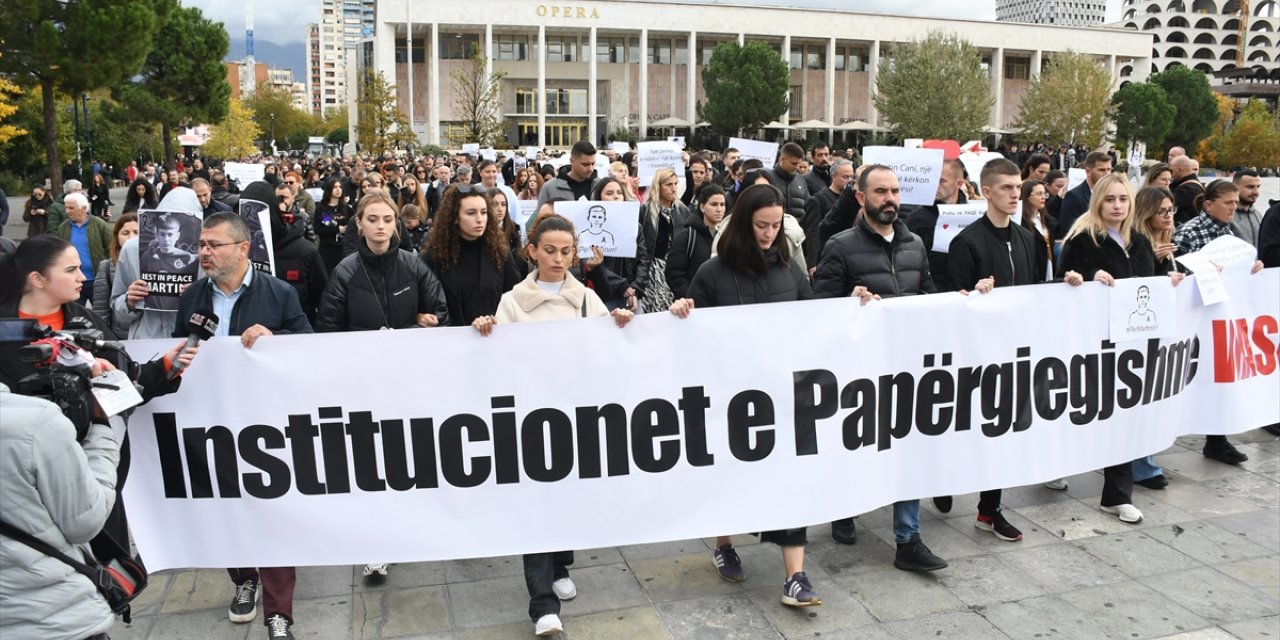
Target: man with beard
(924, 220)
(1247, 219)
(819, 176)
(880, 258)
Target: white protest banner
(1075, 177)
(620, 147)
(168, 255)
(525, 211)
(472, 149)
(766, 152)
(242, 173)
(974, 162)
(612, 226)
(676, 140)
(652, 156)
(262, 252)
(633, 460)
(918, 170)
(1142, 308)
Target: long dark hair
(509, 227)
(443, 246)
(1034, 161)
(32, 255)
(149, 200)
(738, 248)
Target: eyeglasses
(1167, 211)
(291, 182)
(213, 246)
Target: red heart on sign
(945, 226)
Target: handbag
(119, 581)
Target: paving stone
(1261, 527)
(952, 626)
(152, 599)
(619, 624)
(399, 576)
(1194, 466)
(895, 595)
(1156, 512)
(730, 617)
(682, 577)
(509, 631)
(1262, 491)
(1048, 617)
(199, 589)
(1262, 574)
(1073, 520)
(942, 539)
(319, 582)
(473, 569)
(987, 579)
(869, 554)
(1031, 494)
(1062, 567)
(489, 602)
(1267, 628)
(1200, 501)
(1137, 554)
(400, 612)
(838, 612)
(1213, 595)
(764, 566)
(1268, 468)
(1212, 633)
(604, 588)
(137, 631)
(211, 623)
(1132, 610)
(320, 619)
(632, 553)
(596, 557)
(1032, 534)
(1085, 487)
(1207, 543)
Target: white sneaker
(1057, 485)
(1126, 512)
(548, 625)
(565, 589)
(375, 569)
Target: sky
(284, 21)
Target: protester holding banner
(754, 266)
(661, 216)
(691, 247)
(141, 195)
(547, 294)
(125, 228)
(1035, 218)
(332, 213)
(469, 254)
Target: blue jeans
(906, 520)
(1145, 469)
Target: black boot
(844, 531)
(913, 555)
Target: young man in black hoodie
(298, 260)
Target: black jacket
(977, 252)
(690, 249)
(1188, 196)
(818, 179)
(232, 200)
(1074, 203)
(923, 221)
(369, 292)
(844, 211)
(794, 188)
(268, 301)
(1269, 237)
(654, 240)
(815, 211)
(860, 256)
(298, 263)
(1086, 254)
(474, 286)
(716, 285)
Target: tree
(1188, 91)
(746, 87)
(74, 46)
(935, 88)
(1068, 102)
(1254, 139)
(1142, 113)
(477, 101)
(1209, 150)
(274, 111)
(9, 131)
(183, 79)
(380, 125)
(235, 136)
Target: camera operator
(42, 281)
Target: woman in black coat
(692, 245)
(469, 252)
(142, 195)
(332, 214)
(753, 266)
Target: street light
(272, 143)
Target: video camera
(63, 375)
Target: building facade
(1209, 35)
(343, 24)
(583, 70)
(246, 75)
(1063, 13)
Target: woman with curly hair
(470, 254)
(141, 195)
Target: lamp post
(272, 142)
(88, 131)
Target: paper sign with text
(657, 155)
(1074, 178)
(1142, 308)
(242, 173)
(918, 170)
(765, 152)
(620, 147)
(974, 162)
(262, 253)
(952, 218)
(612, 226)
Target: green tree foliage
(1142, 113)
(1188, 91)
(277, 117)
(74, 46)
(477, 101)
(234, 137)
(380, 125)
(1068, 102)
(935, 88)
(183, 79)
(1254, 139)
(746, 87)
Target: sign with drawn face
(611, 226)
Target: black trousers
(989, 502)
(1117, 485)
(540, 570)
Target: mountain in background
(288, 56)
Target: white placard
(952, 218)
(1233, 255)
(1075, 177)
(242, 173)
(526, 209)
(652, 156)
(316, 194)
(471, 149)
(913, 143)
(918, 170)
(262, 251)
(489, 154)
(602, 165)
(974, 162)
(620, 147)
(532, 152)
(612, 226)
(1142, 308)
(676, 140)
(766, 152)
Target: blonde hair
(1091, 221)
(379, 196)
(653, 199)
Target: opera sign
(567, 11)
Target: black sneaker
(278, 628)
(797, 592)
(844, 531)
(1223, 451)
(244, 606)
(999, 526)
(1273, 429)
(728, 565)
(1155, 482)
(913, 555)
(942, 503)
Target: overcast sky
(284, 21)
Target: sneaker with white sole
(565, 589)
(375, 570)
(1057, 485)
(278, 628)
(244, 606)
(798, 592)
(1126, 512)
(548, 625)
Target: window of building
(815, 58)
(682, 52)
(526, 101)
(566, 102)
(402, 54)
(796, 60)
(633, 50)
(611, 50)
(1017, 68)
(458, 46)
(705, 49)
(797, 101)
(511, 47)
(562, 49)
(659, 52)
(858, 58)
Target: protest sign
(242, 173)
(953, 218)
(620, 147)
(1228, 253)
(472, 149)
(676, 140)
(525, 210)
(532, 152)
(766, 152)
(1075, 177)
(463, 465)
(316, 193)
(612, 226)
(652, 156)
(262, 253)
(1142, 308)
(974, 162)
(489, 154)
(168, 255)
(918, 170)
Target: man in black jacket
(819, 205)
(794, 188)
(923, 221)
(1188, 191)
(1097, 165)
(819, 176)
(252, 306)
(879, 257)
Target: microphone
(201, 326)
